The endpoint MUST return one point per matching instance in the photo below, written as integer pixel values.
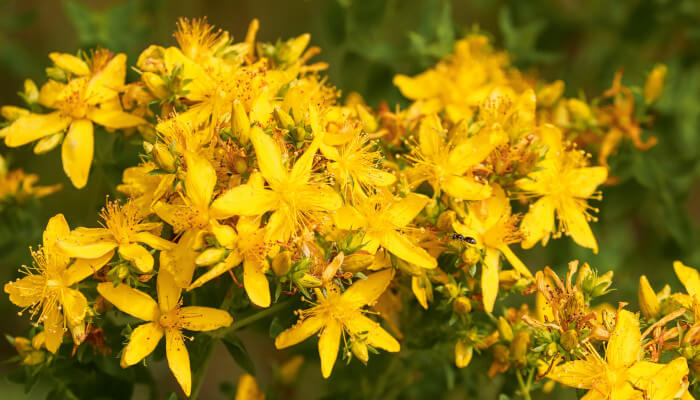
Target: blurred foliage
(650, 218)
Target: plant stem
(219, 333)
(202, 370)
(524, 389)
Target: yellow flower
(123, 230)
(46, 288)
(251, 248)
(444, 164)
(655, 83)
(143, 188)
(335, 314)
(248, 389)
(564, 184)
(19, 186)
(166, 317)
(194, 214)
(295, 195)
(621, 375)
(384, 220)
(491, 224)
(91, 95)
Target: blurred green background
(648, 220)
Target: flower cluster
(254, 174)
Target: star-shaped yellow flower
(164, 318)
(338, 313)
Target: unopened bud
(164, 157)
(294, 48)
(451, 289)
(22, 345)
(282, 263)
(369, 123)
(147, 132)
(432, 209)
(284, 120)
(332, 268)
(518, 347)
(122, 271)
(579, 109)
(31, 92)
(501, 353)
(569, 340)
(210, 256)
(70, 63)
(79, 333)
(308, 281)
(56, 74)
(445, 220)
(549, 94)
(462, 305)
(359, 350)
(463, 353)
(357, 262)
(240, 123)
(655, 83)
(504, 329)
(151, 59)
(240, 165)
(471, 255)
(155, 84)
(48, 143)
(648, 302)
(11, 113)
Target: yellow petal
(178, 359)
(114, 119)
(130, 301)
(429, 138)
(106, 83)
(231, 261)
(248, 389)
(244, 200)
(515, 261)
(139, 257)
(419, 290)
(180, 261)
(143, 340)
(57, 228)
(398, 245)
(77, 150)
(625, 341)
(465, 188)
(203, 318)
(168, 291)
(402, 212)
(660, 381)
(86, 250)
(50, 92)
(583, 182)
(200, 179)
(269, 156)
(299, 332)
(572, 214)
(224, 234)
(70, 63)
(34, 126)
(689, 277)
(154, 241)
(367, 291)
(538, 223)
(489, 279)
(318, 198)
(26, 291)
(328, 345)
(74, 306)
(581, 374)
(82, 268)
(347, 217)
(419, 87)
(256, 284)
(475, 149)
(376, 336)
(53, 328)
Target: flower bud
(164, 157)
(648, 302)
(471, 255)
(445, 220)
(22, 345)
(308, 281)
(579, 109)
(569, 340)
(549, 94)
(11, 113)
(70, 63)
(31, 92)
(463, 353)
(518, 347)
(409, 268)
(501, 353)
(451, 289)
(210, 256)
(504, 329)
(293, 48)
(284, 120)
(432, 208)
(548, 386)
(655, 83)
(122, 271)
(155, 84)
(34, 358)
(357, 262)
(3, 166)
(561, 116)
(56, 74)
(369, 123)
(462, 305)
(240, 123)
(359, 350)
(48, 143)
(282, 263)
(332, 268)
(39, 340)
(151, 59)
(240, 165)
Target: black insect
(468, 239)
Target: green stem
(524, 389)
(219, 333)
(202, 370)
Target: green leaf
(239, 353)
